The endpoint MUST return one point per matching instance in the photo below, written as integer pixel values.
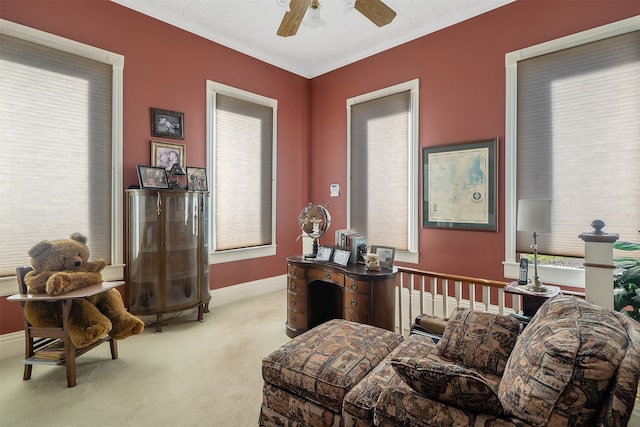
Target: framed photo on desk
(341, 257)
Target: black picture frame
(386, 255)
(341, 257)
(152, 177)
(459, 186)
(324, 253)
(197, 179)
(167, 123)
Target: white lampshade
(534, 216)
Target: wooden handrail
(454, 277)
(416, 283)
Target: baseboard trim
(12, 344)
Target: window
(572, 136)
(382, 158)
(61, 136)
(241, 160)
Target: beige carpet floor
(192, 374)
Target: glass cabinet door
(144, 247)
(182, 237)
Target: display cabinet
(167, 252)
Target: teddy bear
(60, 266)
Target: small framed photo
(164, 154)
(167, 124)
(196, 179)
(341, 257)
(386, 255)
(324, 253)
(152, 177)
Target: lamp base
(536, 287)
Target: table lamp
(535, 216)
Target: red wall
(167, 68)
(462, 98)
(462, 91)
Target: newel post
(598, 265)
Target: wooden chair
(52, 346)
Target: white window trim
(559, 275)
(217, 257)
(115, 271)
(410, 256)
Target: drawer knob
(354, 303)
(293, 285)
(327, 276)
(293, 301)
(354, 285)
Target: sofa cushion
(448, 383)
(360, 401)
(561, 367)
(479, 340)
(324, 363)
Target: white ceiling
(249, 26)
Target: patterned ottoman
(306, 380)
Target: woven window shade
(579, 140)
(379, 163)
(55, 135)
(243, 171)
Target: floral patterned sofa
(575, 364)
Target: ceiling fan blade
(376, 11)
(292, 19)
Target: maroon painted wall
(462, 98)
(462, 90)
(167, 68)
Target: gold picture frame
(165, 154)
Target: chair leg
(27, 371)
(113, 344)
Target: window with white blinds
(242, 163)
(56, 132)
(382, 172)
(577, 130)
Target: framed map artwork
(460, 186)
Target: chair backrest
(20, 273)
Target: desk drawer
(326, 276)
(360, 286)
(297, 302)
(296, 320)
(356, 302)
(297, 285)
(295, 271)
(355, 316)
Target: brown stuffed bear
(63, 265)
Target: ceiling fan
(374, 10)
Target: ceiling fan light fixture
(349, 5)
(313, 19)
(284, 4)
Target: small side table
(531, 301)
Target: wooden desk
(76, 293)
(318, 291)
(53, 345)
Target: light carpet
(191, 374)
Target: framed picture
(459, 186)
(152, 177)
(341, 257)
(324, 253)
(167, 124)
(164, 154)
(386, 255)
(196, 179)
